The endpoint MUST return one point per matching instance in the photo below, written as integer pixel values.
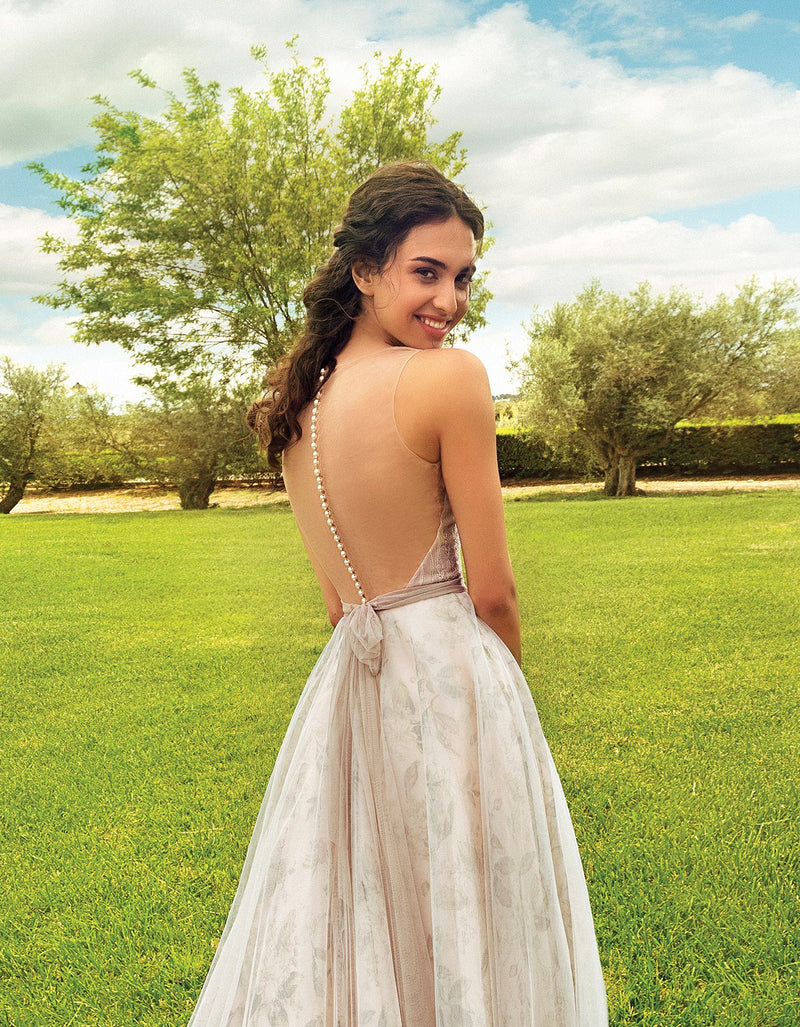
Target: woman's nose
(446, 298)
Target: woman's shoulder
(447, 363)
(441, 393)
(448, 372)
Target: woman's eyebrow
(438, 263)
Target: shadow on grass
(526, 495)
(646, 488)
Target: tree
(194, 438)
(26, 395)
(621, 372)
(197, 230)
(781, 394)
(87, 442)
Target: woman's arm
(333, 604)
(448, 414)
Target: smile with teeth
(432, 323)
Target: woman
(413, 862)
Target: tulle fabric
(413, 863)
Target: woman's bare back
(386, 501)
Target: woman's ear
(364, 277)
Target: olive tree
(27, 395)
(193, 438)
(619, 372)
(88, 441)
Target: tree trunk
(195, 492)
(611, 476)
(620, 475)
(15, 492)
(626, 481)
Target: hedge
(524, 454)
(729, 449)
(698, 449)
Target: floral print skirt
(413, 862)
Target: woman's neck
(366, 338)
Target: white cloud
(575, 158)
(62, 53)
(711, 259)
(740, 22)
(49, 341)
(552, 132)
(24, 269)
(59, 54)
(557, 138)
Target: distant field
(149, 664)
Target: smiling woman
(414, 862)
(418, 299)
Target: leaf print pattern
(413, 863)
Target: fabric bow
(365, 635)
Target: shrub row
(729, 449)
(702, 449)
(697, 449)
(524, 454)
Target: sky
(621, 140)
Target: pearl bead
(321, 488)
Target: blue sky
(616, 139)
(759, 37)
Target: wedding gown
(413, 863)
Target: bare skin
(444, 407)
(445, 411)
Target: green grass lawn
(149, 664)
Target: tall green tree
(619, 372)
(198, 229)
(27, 394)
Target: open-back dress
(413, 863)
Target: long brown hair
(380, 214)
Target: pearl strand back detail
(321, 487)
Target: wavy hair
(380, 214)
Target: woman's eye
(427, 273)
